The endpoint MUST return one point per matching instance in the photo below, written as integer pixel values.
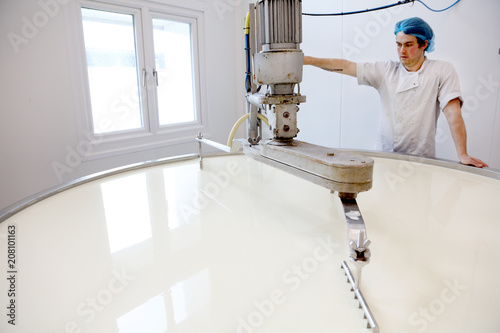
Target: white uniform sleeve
(449, 85)
(371, 73)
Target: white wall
(37, 112)
(339, 113)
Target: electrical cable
(248, 80)
(248, 73)
(437, 10)
(402, 2)
(361, 11)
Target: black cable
(402, 2)
(248, 79)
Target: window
(112, 67)
(141, 76)
(175, 71)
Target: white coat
(411, 102)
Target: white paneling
(319, 118)
(36, 120)
(494, 160)
(477, 62)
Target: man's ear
(426, 43)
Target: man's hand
(453, 114)
(468, 160)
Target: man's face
(410, 54)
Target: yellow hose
(263, 118)
(238, 123)
(243, 118)
(247, 24)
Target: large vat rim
(440, 162)
(17, 207)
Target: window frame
(195, 68)
(151, 135)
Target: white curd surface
(240, 247)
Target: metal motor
(279, 64)
(280, 24)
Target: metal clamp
(356, 234)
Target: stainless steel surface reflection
(241, 247)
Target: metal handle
(155, 74)
(144, 74)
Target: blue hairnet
(417, 27)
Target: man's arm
(341, 66)
(453, 114)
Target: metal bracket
(235, 147)
(357, 238)
(258, 99)
(330, 168)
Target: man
(413, 92)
